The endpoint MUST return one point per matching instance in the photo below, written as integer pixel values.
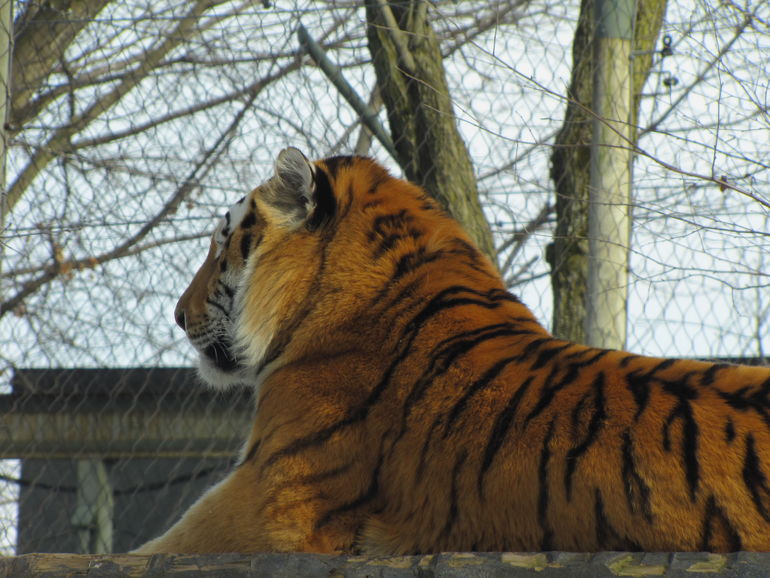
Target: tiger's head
(301, 254)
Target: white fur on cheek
(256, 322)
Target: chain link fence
(131, 125)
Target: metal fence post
(610, 181)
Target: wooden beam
(82, 413)
(121, 429)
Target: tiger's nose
(180, 318)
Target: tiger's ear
(290, 191)
(300, 191)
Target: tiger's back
(594, 450)
(409, 404)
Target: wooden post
(92, 518)
(610, 182)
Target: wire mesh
(132, 125)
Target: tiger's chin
(221, 379)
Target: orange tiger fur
(409, 404)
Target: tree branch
(62, 266)
(60, 141)
(653, 126)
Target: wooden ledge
(465, 565)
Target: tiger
(407, 403)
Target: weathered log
(466, 565)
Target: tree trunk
(410, 75)
(570, 163)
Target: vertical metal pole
(6, 44)
(610, 182)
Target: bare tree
(133, 120)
